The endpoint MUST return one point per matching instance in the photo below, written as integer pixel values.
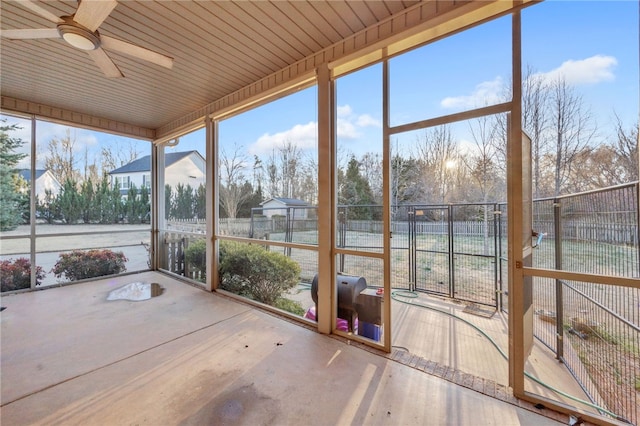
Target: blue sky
(592, 44)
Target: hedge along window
(271, 277)
(15, 210)
(268, 191)
(268, 159)
(86, 221)
(183, 227)
(459, 73)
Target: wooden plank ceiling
(218, 47)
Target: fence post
(288, 231)
(342, 234)
(557, 229)
(452, 282)
(636, 235)
(496, 257)
(411, 221)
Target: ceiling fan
(80, 30)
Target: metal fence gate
(438, 250)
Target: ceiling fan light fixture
(78, 36)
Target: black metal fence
(593, 328)
(460, 251)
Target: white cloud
(304, 136)
(346, 129)
(485, 93)
(350, 124)
(591, 70)
(365, 120)
(344, 110)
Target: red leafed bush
(16, 274)
(80, 265)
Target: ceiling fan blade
(130, 49)
(92, 13)
(40, 11)
(105, 63)
(30, 33)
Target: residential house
(45, 180)
(187, 168)
(279, 206)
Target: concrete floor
(190, 357)
(425, 326)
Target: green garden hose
(396, 294)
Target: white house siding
(187, 171)
(276, 207)
(135, 178)
(47, 181)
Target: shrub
(254, 272)
(290, 306)
(196, 256)
(79, 265)
(16, 274)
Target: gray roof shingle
(26, 174)
(143, 164)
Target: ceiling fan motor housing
(77, 35)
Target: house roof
(26, 174)
(286, 201)
(143, 164)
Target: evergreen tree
(145, 205)
(48, 208)
(107, 202)
(23, 188)
(201, 202)
(183, 202)
(168, 201)
(90, 212)
(131, 205)
(115, 206)
(137, 204)
(253, 201)
(10, 200)
(355, 192)
(70, 202)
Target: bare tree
(439, 156)
(60, 158)
(609, 164)
(309, 181)
(482, 160)
(571, 132)
(290, 157)
(535, 122)
(626, 147)
(114, 155)
(232, 180)
(284, 170)
(108, 161)
(273, 176)
(599, 168)
(371, 169)
(535, 118)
